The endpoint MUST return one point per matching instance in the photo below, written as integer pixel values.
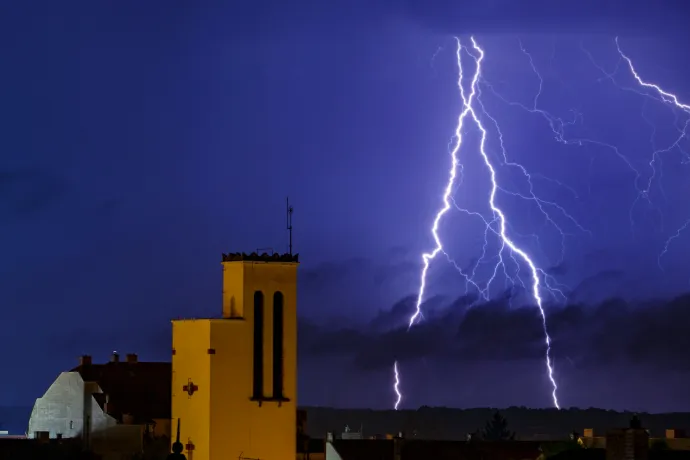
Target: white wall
(61, 409)
(331, 453)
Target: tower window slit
(258, 381)
(278, 345)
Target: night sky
(141, 139)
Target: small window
(71, 424)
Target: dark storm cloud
(596, 281)
(653, 334)
(29, 190)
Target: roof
(364, 449)
(141, 389)
(20, 449)
(663, 454)
(417, 449)
(310, 445)
(255, 257)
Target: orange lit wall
(214, 358)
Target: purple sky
(141, 141)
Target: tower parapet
(256, 257)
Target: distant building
(631, 443)
(106, 405)
(675, 439)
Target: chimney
(329, 436)
(628, 443)
(85, 360)
(115, 358)
(132, 357)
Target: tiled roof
(142, 389)
(255, 257)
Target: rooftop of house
(140, 389)
(54, 449)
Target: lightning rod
(289, 224)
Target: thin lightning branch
(670, 240)
(497, 224)
(672, 100)
(667, 97)
(559, 127)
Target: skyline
(141, 153)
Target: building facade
(110, 406)
(235, 378)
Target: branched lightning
(496, 223)
(672, 100)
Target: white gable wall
(61, 409)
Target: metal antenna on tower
(289, 223)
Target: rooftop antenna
(289, 223)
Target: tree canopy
(496, 429)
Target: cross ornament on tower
(190, 388)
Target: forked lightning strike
(497, 225)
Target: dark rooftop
(255, 257)
(32, 449)
(416, 449)
(141, 389)
(600, 454)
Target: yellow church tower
(235, 378)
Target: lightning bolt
(474, 112)
(497, 224)
(672, 100)
(396, 385)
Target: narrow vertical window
(258, 345)
(278, 345)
